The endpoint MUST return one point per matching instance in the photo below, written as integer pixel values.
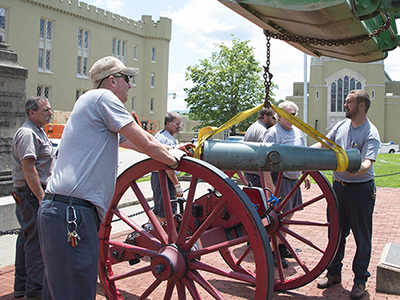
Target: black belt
(343, 183)
(67, 199)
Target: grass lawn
(387, 171)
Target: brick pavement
(386, 229)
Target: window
(340, 88)
(79, 93)
(44, 91)
(133, 103)
(317, 95)
(3, 25)
(153, 54)
(134, 52)
(45, 45)
(118, 49)
(372, 94)
(133, 80)
(82, 62)
(152, 80)
(152, 105)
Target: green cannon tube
(231, 156)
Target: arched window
(333, 96)
(352, 84)
(340, 95)
(340, 88)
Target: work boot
(284, 252)
(328, 281)
(284, 262)
(358, 291)
(19, 294)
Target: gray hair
(291, 104)
(171, 116)
(32, 104)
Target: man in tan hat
(82, 185)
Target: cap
(109, 65)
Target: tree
(226, 84)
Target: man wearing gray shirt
(285, 133)
(172, 125)
(33, 162)
(255, 133)
(81, 187)
(356, 192)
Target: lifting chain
(307, 40)
(340, 42)
(267, 74)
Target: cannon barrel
(245, 156)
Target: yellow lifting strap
(207, 132)
(341, 155)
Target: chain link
(324, 42)
(9, 232)
(267, 74)
(307, 40)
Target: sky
(197, 25)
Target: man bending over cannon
(81, 188)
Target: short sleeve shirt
(30, 141)
(365, 138)
(88, 154)
(294, 137)
(255, 133)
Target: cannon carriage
(222, 231)
(222, 234)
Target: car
(235, 138)
(389, 147)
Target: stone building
(331, 80)
(59, 40)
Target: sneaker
(148, 226)
(284, 252)
(328, 281)
(19, 294)
(284, 262)
(358, 291)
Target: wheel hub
(274, 222)
(170, 263)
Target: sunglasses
(126, 78)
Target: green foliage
(387, 171)
(224, 85)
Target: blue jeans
(70, 272)
(356, 205)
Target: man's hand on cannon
(187, 148)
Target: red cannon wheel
(312, 241)
(179, 261)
